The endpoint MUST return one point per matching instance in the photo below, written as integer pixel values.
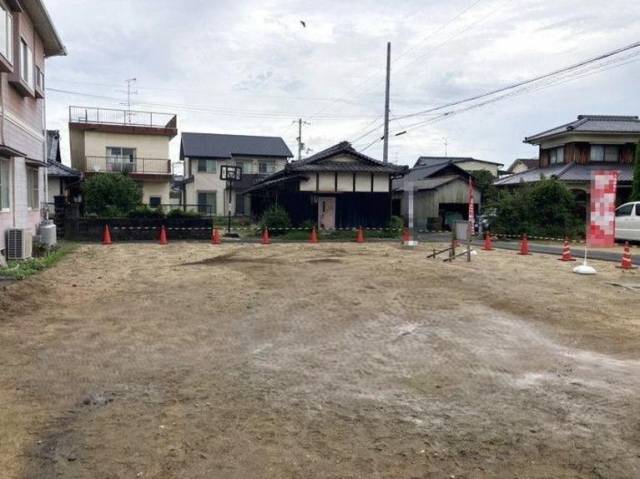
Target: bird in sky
(303, 23)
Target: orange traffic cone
(215, 238)
(163, 236)
(313, 239)
(524, 246)
(566, 252)
(626, 258)
(488, 245)
(406, 236)
(265, 236)
(106, 235)
(360, 236)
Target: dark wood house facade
(336, 188)
(572, 152)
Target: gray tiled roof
(322, 161)
(607, 124)
(569, 172)
(432, 160)
(58, 169)
(214, 145)
(420, 173)
(530, 163)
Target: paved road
(576, 250)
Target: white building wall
(381, 183)
(53, 188)
(211, 182)
(156, 188)
(19, 214)
(327, 182)
(363, 182)
(147, 146)
(345, 181)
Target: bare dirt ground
(325, 361)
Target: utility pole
(385, 150)
(446, 143)
(300, 143)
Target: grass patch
(23, 269)
(303, 235)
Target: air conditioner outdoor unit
(19, 244)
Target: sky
(251, 67)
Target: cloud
(249, 67)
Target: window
(155, 201)
(4, 185)
(207, 166)
(611, 153)
(121, 153)
(26, 63)
(33, 190)
(207, 203)
(625, 210)
(597, 153)
(556, 155)
(265, 167)
(120, 158)
(6, 34)
(246, 165)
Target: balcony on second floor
(133, 166)
(123, 121)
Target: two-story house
(571, 153)
(27, 38)
(108, 141)
(204, 153)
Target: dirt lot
(333, 360)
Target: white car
(628, 222)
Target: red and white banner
(471, 207)
(602, 220)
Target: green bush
(143, 211)
(483, 181)
(396, 223)
(547, 208)
(308, 224)
(110, 194)
(275, 218)
(178, 213)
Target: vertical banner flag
(471, 207)
(602, 220)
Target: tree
(275, 218)
(635, 189)
(547, 208)
(483, 181)
(111, 194)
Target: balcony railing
(111, 164)
(109, 116)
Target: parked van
(628, 222)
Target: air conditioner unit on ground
(19, 244)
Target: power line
(222, 111)
(547, 83)
(526, 82)
(402, 54)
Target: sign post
(230, 174)
(470, 224)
